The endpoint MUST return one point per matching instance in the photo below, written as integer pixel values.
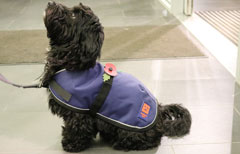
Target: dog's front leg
(78, 132)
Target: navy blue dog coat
(128, 104)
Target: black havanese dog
(94, 99)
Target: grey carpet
(143, 42)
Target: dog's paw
(74, 146)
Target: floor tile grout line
(198, 144)
(173, 149)
(236, 142)
(164, 58)
(119, 60)
(10, 24)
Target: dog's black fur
(76, 37)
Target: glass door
(179, 7)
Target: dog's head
(76, 35)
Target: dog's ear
(91, 43)
(89, 34)
(85, 51)
(86, 8)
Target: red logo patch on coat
(143, 114)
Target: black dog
(76, 37)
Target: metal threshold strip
(226, 22)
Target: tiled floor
(200, 84)
(27, 14)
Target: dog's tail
(176, 120)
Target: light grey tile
(195, 92)
(235, 148)
(210, 124)
(18, 99)
(224, 148)
(236, 127)
(188, 81)
(237, 97)
(174, 69)
(108, 150)
(29, 132)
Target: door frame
(238, 64)
(178, 7)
